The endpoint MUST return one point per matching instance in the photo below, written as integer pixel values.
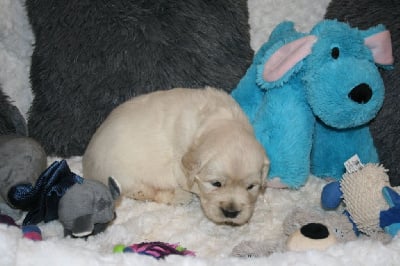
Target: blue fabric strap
(41, 200)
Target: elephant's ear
(114, 187)
(280, 63)
(380, 44)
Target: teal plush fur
(310, 97)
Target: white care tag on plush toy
(353, 164)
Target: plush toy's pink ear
(287, 57)
(381, 47)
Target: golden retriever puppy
(168, 145)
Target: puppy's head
(227, 169)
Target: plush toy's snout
(361, 93)
(311, 236)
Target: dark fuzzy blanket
(90, 56)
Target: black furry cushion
(11, 120)
(386, 127)
(90, 56)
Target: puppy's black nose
(230, 213)
(315, 231)
(361, 93)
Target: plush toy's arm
(331, 195)
(389, 219)
(334, 146)
(284, 126)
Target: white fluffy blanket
(145, 221)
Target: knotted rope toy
(32, 232)
(158, 250)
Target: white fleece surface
(145, 221)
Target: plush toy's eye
(216, 184)
(335, 52)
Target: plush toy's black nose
(315, 231)
(361, 93)
(230, 213)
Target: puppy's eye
(216, 184)
(335, 52)
(250, 187)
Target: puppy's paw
(182, 197)
(173, 197)
(275, 182)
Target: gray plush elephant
(83, 206)
(22, 160)
(88, 208)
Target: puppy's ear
(191, 165)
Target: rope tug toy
(158, 250)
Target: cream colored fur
(167, 145)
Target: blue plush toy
(370, 203)
(310, 97)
